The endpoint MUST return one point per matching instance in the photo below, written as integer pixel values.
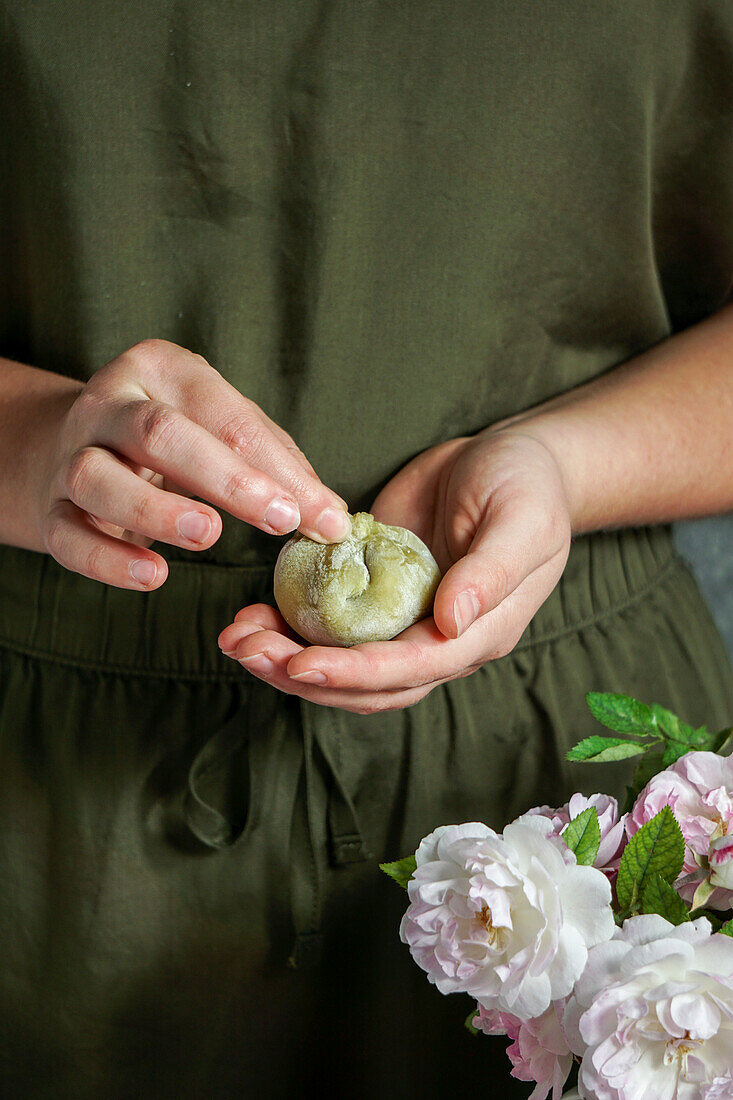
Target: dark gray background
(707, 545)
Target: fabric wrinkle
(334, 832)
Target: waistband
(50, 613)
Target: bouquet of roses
(593, 936)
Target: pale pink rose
(613, 827)
(721, 862)
(505, 918)
(698, 788)
(493, 1022)
(652, 1014)
(719, 1089)
(538, 1052)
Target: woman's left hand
(493, 510)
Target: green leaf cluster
(653, 733)
(651, 862)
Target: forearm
(651, 441)
(30, 404)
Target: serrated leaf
(727, 928)
(657, 848)
(601, 750)
(661, 898)
(673, 750)
(673, 727)
(583, 836)
(621, 713)
(401, 870)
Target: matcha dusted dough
(368, 588)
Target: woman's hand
(152, 426)
(647, 442)
(493, 510)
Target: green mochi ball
(368, 588)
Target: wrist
(33, 407)
(567, 448)
(53, 413)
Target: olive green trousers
(190, 903)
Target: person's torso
(386, 223)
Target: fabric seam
(675, 564)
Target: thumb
(510, 543)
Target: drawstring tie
(248, 776)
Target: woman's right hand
(154, 424)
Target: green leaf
(727, 928)
(671, 725)
(601, 750)
(657, 848)
(659, 897)
(468, 1022)
(401, 870)
(722, 742)
(621, 713)
(624, 714)
(673, 750)
(583, 836)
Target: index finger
(163, 439)
(189, 383)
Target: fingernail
(282, 515)
(260, 662)
(311, 676)
(333, 524)
(465, 611)
(143, 571)
(194, 526)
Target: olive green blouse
(386, 223)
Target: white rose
(719, 1089)
(506, 918)
(652, 1015)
